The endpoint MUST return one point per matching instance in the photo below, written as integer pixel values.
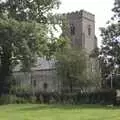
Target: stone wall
(38, 81)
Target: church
(43, 76)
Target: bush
(105, 96)
(8, 99)
(47, 97)
(4, 99)
(33, 99)
(68, 98)
(12, 99)
(102, 96)
(21, 100)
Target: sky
(100, 8)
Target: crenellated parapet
(80, 14)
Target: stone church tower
(81, 30)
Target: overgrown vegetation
(110, 51)
(70, 65)
(24, 26)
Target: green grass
(58, 112)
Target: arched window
(89, 30)
(72, 29)
(45, 86)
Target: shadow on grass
(68, 107)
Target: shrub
(33, 99)
(12, 99)
(4, 99)
(102, 96)
(21, 100)
(8, 99)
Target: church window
(45, 86)
(34, 83)
(72, 29)
(89, 30)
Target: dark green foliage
(23, 34)
(115, 81)
(28, 10)
(110, 51)
(104, 96)
(70, 67)
(116, 10)
(13, 99)
(19, 41)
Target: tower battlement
(80, 14)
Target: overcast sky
(101, 9)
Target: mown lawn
(58, 112)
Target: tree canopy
(70, 67)
(24, 26)
(28, 10)
(110, 51)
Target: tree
(77, 70)
(70, 67)
(110, 51)
(93, 73)
(23, 33)
(20, 41)
(28, 10)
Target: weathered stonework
(84, 30)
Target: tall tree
(110, 51)
(23, 33)
(70, 67)
(28, 10)
(77, 70)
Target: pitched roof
(41, 64)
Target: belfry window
(89, 30)
(72, 29)
(45, 86)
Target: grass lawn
(58, 112)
